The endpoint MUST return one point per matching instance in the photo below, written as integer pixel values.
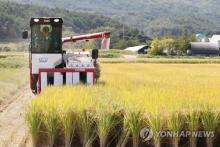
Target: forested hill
(15, 17)
(152, 16)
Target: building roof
(136, 48)
(211, 33)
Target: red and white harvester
(50, 65)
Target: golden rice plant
(86, 127)
(51, 120)
(33, 117)
(156, 123)
(128, 98)
(134, 121)
(192, 118)
(175, 123)
(105, 124)
(68, 121)
(210, 121)
(124, 136)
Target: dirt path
(13, 129)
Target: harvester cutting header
(51, 65)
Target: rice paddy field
(129, 98)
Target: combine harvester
(50, 65)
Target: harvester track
(14, 132)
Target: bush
(171, 45)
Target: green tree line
(14, 18)
(153, 17)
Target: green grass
(11, 80)
(14, 46)
(13, 74)
(12, 61)
(163, 60)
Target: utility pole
(123, 32)
(123, 28)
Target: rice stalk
(134, 122)
(68, 121)
(124, 133)
(192, 119)
(156, 123)
(175, 124)
(51, 121)
(33, 118)
(85, 126)
(105, 124)
(210, 122)
(123, 138)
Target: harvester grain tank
(51, 65)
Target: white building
(142, 49)
(215, 39)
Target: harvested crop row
(130, 97)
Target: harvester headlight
(56, 20)
(36, 20)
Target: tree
(183, 42)
(155, 48)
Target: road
(13, 128)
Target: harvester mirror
(25, 35)
(95, 53)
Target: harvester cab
(51, 65)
